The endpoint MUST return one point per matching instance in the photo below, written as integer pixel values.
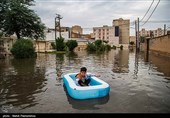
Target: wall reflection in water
(161, 63)
(121, 62)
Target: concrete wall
(7, 44)
(158, 45)
(161, 44)
(42, 46)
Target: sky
(96, 13)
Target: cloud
(93, 13)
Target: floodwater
(137, 85)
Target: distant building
(123, 29)
(155, 33)
(50, 34)
(42, 46)
(106, 33)
(6, 44)
(133, 39)
(76, 31)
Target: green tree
(23, 49)
(142, 39)
(132, 43)
(98, 43)
(98, 46)
(91, 47)
(60, 45)
(17, 18)
(107, 47)
(114, 47)
(53, 45)
(71, 44)
(121, 47)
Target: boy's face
(83, 73)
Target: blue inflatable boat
(97, 88)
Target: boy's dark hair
(83, 69)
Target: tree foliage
(71, 44)
(23, 49)
(142, 39)
(98, 46)
(53, 45)
(17, 18)
(60, 45)
(132, 43)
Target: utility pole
(138, 37)
(55, 27)
(59, 18)
(164, 29)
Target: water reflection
(59, 66)
(35, 85)
(161, 63)
(135, 75)
(88, 104)
(121, 62)
(19, 87)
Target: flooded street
(36, 86)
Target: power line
(147, 11)
(158, 21)
(151, 13)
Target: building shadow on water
(87, 104)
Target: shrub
(114, 47)
(91, 47)
(23, 48)
(60, 45)
(71, 44)
(53, 45)
(108, 47)
(132, 43)
(121, 47)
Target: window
(116, 30)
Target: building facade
(152, 33)
(6, 44)
(50, 34)
(77, 29)
(42, 46)
(106, 33)
(124, 29)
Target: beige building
(133, 38)
(106, 33)
(124, 31)
(6, 44)
(156, 33)
(42, 46)
(77, 29)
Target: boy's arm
(89, 75)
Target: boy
(83, 78)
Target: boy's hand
(97, 75)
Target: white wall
(51, 35)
